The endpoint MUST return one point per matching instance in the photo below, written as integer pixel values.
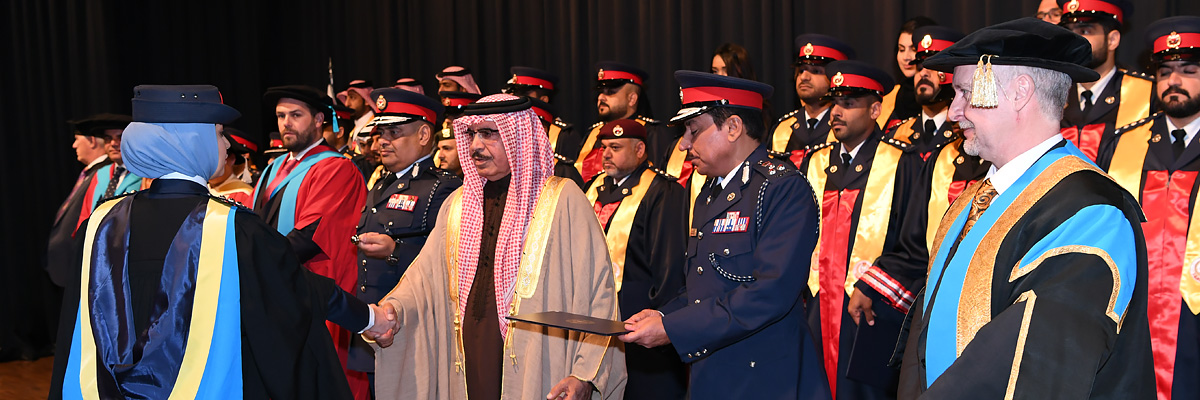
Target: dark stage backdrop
(70, 58)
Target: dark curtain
(69, 58)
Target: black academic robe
(652, 274)
(1167, 189)
(60, 249)
(1037, 313)
(857, 355)
(286, 352)
(1125, 99)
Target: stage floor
(26, 380)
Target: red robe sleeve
(333, 192)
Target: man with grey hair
(1037, 285)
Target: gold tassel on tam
(983, 87)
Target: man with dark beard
(313, 195)
(808, 125)
(1120, 97)
(1154, 158)
(930, 130)
(621, 94)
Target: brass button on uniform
(699, 270)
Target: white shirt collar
(818, 116)
(305, 151)
(96, 161)
(938, 119)
(1005, 177)
(175, 175)
(852, 152)
(1191, 128)
(724, 181)
(1096, 88)
(622, 181)
(414, 164)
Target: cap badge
(513, 80)
(808, 50)
(1174, 40)
(927, 42)
(1072, 5)
(381, 103)
(681, 94)
(618, 131)
(837, 79)
(600, 75)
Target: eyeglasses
(1053, 13)
(485, 133)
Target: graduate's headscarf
(531, 162)
(174, 132)
(460, 75)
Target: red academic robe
(331, 195)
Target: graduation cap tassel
(983, 87)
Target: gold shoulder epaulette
(562, 124)
(596, 125)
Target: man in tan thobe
(513, 240)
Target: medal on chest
(403, 202)
(733, 222)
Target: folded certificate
(574, 322)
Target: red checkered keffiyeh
(532, 162)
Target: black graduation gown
(863, 351)
(286, 352)
(1068, 346)
(60, 250)
(653, 275)
(795, 126)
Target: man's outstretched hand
(385, 327)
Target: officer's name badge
(404, 202)
(733, 222)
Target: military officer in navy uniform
(639, 210)
(402, 206)
(808, 125)
(740, 323)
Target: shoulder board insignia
(778, 154)
(819, 146)
(648, 120)
(596, 125)
(895, 143)
(891, 130)
(1136, 74)
(562, 124)
(224, 200)
(774, 168)
(664, 174)
(1139, 122)
(560, 157)
(788, 115)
